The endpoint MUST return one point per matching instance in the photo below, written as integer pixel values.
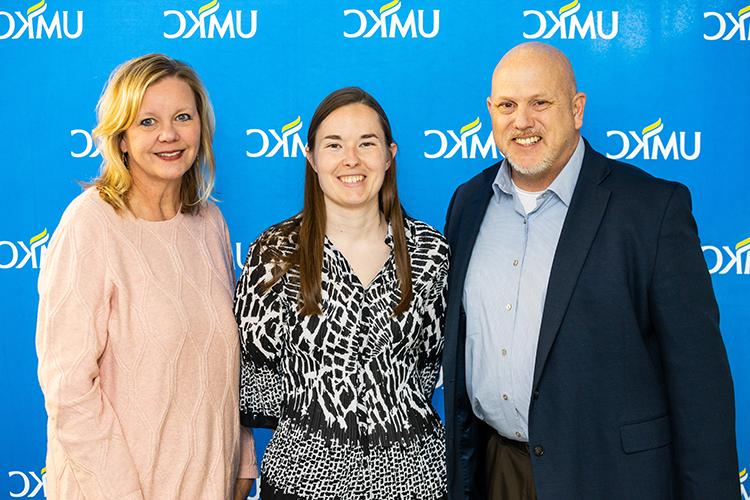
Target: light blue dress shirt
(504, 293)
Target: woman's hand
(242, 488)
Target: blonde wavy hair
(116, 112)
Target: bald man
(583, 358)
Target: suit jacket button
(536, 394)
(538, 451)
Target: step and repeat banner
(667, 86)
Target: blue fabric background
(681, 65)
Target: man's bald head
(536, 112)
(543, 56)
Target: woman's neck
(352, 225)
(154, 203)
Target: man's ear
(579, 103)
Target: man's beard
(532, 170)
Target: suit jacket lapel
(582, 221)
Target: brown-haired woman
(340, 311)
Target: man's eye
(147, 122)
(541, 103)
(505, 105)
(333, 145)
(367, 144)
(183, 117)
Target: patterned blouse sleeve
(261, 326)
(433, 321)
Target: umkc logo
(389, 24)
(653, 146)
(88, 147)
(289, 143)
(467, 142)
(743, 490)
(726, 20)
(725, 259)
(29, 484)
(20, 255)
(37, 26)
(208, 24)
(569, 24)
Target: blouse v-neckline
(388, 240)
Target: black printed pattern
(349, 392)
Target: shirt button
(505, 397)
(504, 352)
(508, 307)
(538, 451)
(515, 262)
(519, 435)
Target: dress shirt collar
(563, 185)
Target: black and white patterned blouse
(349, 391)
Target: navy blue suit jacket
(632, 395)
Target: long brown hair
(310, 225)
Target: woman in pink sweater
(137, 341)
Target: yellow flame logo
(739, 245)
(469, 126)
(652, 126)
(743, 10)
(566, 8)
(38, 236)
(392, 4)
(207, 6)
(291, 124)
(34, 7)
(44, 470)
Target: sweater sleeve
(74, 298)
(227, 241)
(248, 467)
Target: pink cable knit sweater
(139, 357)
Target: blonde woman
(137, 342)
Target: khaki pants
(509, 472)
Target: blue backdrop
(666, 83)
